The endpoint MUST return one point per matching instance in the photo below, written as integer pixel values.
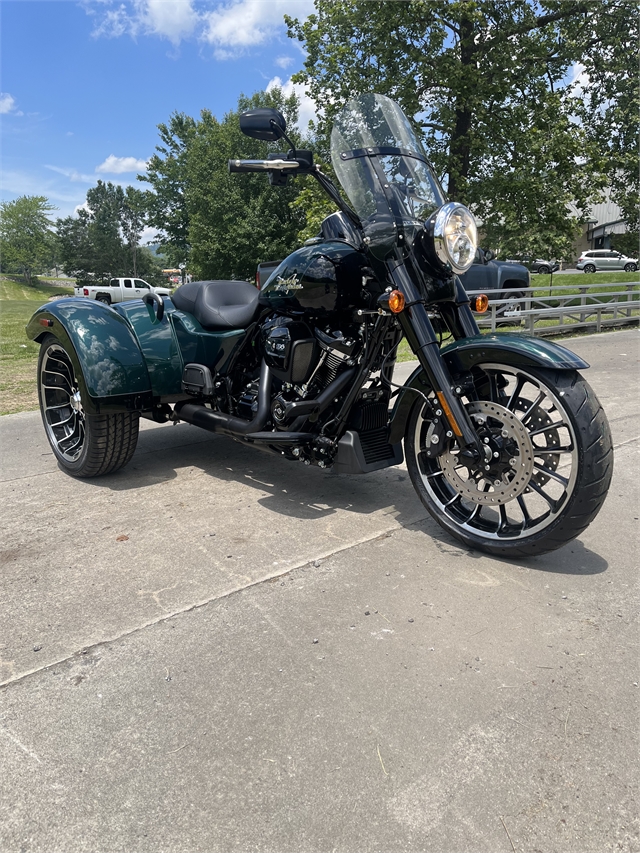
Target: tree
(167, 174)
(222, 224)
(102, 240)
(610, 100)
(133, 218)
(26, 233)
(489, 86)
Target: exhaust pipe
(198, 415)
(218, 422)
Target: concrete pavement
(218, 650)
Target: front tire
(542, 270)
(630, 267)
(84, 445)
(547, 470)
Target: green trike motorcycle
(505, 442)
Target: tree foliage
(490, 87)
(103, 239)
(223, 225)
(26, 237)
(610, 102)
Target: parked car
(538, 265)
(600, 260)
(119, 290)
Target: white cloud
(73, 175)
(8, 104)
(308, 109)
(579, 80)
(284, 61)
(174, 20)
(119, 165)
(245, 23)
(231, 27)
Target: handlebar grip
(248, 165)
(275, 165)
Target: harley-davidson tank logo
(292, 283)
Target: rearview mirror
(263, 123)
(489, 255)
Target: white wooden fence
(593, 307)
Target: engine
(306, 361)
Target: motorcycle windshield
(382, 166)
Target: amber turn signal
(480, 303)
(396, 302)
(48, 323)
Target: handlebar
(262, 165)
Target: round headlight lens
(455, 237)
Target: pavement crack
(285, 570)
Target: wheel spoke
(540, 430)
(540, 491)
(61, 423)
(533, 407)
(61, 375)
(525, 511)
(520, 383)
(549, 473)
(543, 451)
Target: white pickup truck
(119, 290)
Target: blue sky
(84, 84)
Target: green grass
(19, 355)
(540, 284)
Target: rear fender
(464, 354)
(106, 357)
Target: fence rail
(594, 306)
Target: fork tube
(421, 337)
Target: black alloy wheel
(547, 466)
(84, 445)
(543, 270)
(630, 267)
(589, 268)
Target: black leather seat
(218, 305)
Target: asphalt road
(218, 650)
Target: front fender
(464, 354)
(107, 360)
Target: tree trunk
(460, 145)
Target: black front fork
(420, 334)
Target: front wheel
(630, 267)
(545, 473)
(84, 445)
(542, 270)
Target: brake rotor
(507, 469)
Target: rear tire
(104, 298)
(589, 268)
(548, 467)
(84, 445)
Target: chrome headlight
(455, 237)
